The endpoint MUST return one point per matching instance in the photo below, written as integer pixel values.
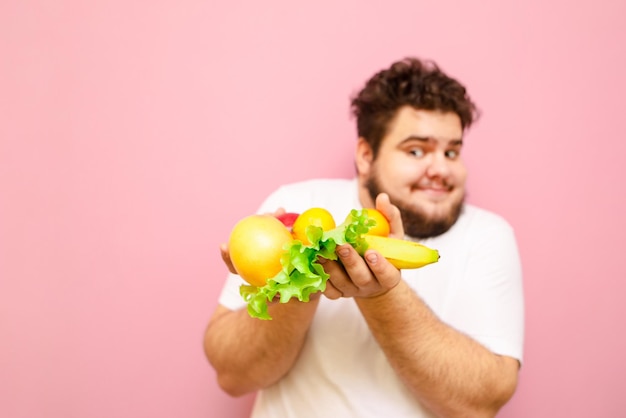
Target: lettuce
(302, 275)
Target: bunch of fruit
(278, 256)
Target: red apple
(288, 218)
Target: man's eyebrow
(430, 139)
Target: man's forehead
(427, 126)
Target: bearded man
(445, 340)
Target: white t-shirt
(475, 287)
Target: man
(444, 340)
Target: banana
(401, 253)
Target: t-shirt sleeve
(230, 296)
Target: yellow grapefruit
(256, 244)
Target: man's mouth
(435, 191)
(438, 187)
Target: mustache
(434, 184)
(417, 223)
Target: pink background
(134, 134)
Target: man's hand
(356, 276)
(368, 276)
(226, 258)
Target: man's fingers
(278, 212)
(392, 213)
(358, 273)
(331, 291)
(339, 279)
(386, 274)
(226, 258)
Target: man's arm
(248, 353)
(450, 373)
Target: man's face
(419, 166)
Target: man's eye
(452, 154)
(417, 152)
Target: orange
(382, 227)
(313, 216)
(256, 244)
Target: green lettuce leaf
(302, 275)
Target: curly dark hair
(414, 82)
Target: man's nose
(438, 166)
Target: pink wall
(133, 134)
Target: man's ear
(363, 157)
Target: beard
(417, 223)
